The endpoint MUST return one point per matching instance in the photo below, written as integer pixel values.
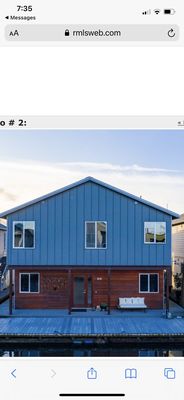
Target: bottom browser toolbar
(54, 378)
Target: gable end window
(29, 283)
(23, 234)
(148, 283)
(155, 232)
(96, 235)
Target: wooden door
(82, 291)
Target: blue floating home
(85, 245)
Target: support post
(166, 283)
(10, 293)
(69, 290)
(182, 284)
(109, 291)
(167, 291)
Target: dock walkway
(91, 326)
(49, 323)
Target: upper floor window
(23, 234)
(96, 235)
(155, 232)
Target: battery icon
(169, 11)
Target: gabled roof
(81, 182)
(3, 227)
(179, 221)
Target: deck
(58, 324)
(90, 326)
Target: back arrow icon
(53, 373)
(13, 373)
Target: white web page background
(91, 81)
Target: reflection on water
(91, 351)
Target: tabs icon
(170, 373)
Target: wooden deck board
(70, 325)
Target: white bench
(132, 303)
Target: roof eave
(82, 181)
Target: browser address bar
(60, 33)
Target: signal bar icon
(147, 12)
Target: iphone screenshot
(91, 200)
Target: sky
(145, 163)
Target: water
(91, 351)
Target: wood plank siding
(54, 289)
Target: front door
(82, 291)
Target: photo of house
(90, 218)
(87, 245)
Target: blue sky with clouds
(147, 163)
(151, 148)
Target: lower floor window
(148, 283)
(29, 282)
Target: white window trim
(153, 222)
(29, 273)
(95, 248)
(148, 274)
(23, 247)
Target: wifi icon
(157, 11)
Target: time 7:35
(24, 8)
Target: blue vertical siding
(60, 230)
(124, 230)
(110, 227)
(131, 233)
(73, 227)
(43, 244)
(65, 225)
(153, 247)
(87, 217)
(139, 233)
(80, 240)
(116, 243)
(29, 216)
(36, 217)
(102, 217)
(94, 212)
(51, 231)
(145, 248)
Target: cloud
(117, 168)
(6, 195)
(25, 180)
